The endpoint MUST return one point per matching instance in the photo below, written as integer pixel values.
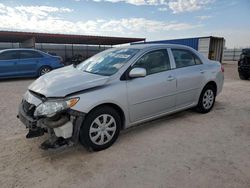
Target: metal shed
(64, 45)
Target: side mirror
(137, 72)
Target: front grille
(28, 108)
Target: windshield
(107, 62)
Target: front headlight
(50, 108)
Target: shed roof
(13, 36)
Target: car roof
(148, 46)
(142, 46)
(19, 49)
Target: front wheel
(207, 99)
(100, 128)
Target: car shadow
(168, 119)
(16, 79)
(157, 122)
(79, 150)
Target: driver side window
(154, 62)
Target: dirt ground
(182, 150)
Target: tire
(43, 70)
(243, 77)
(207, 99)
(94, 125)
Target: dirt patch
(182, 150)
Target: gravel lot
(183, 150)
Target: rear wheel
(207, 99)
(101, 128)
(44, 70)
(242, 76)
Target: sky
(150, 19)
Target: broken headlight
(50, 108)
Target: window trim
(192, 53)
(152, 51)
(125, 74)
(41, 56)
(16, 51)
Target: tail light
(222, 68)
(60, 59)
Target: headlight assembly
(50, 108)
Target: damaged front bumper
(63, 128)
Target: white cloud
(46, 19)
(204, 17)
(135, 2)
(49, 19)
(176, 6)
(163, 9)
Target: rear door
(29, 62)
(190, 75)
(8, 63)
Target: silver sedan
(118, 88)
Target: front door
(153, 94)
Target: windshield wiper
(97, 73)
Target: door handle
(170, 78)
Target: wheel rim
(208, 99)
(45, 70)
(102, 129)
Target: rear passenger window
(9, 55)
(154, 61)
(29, 54)
(185, 58)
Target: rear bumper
(219, 82)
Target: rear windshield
(246, 51)
(107, 62)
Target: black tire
(44, 69)
(242, 76)
(201, 107)
(90, 118)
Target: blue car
(27, 63)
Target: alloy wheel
(102, 129)
(208, 99)
(45, 70)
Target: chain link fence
(232, 54)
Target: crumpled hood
(64, 81)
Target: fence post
(234, 54)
